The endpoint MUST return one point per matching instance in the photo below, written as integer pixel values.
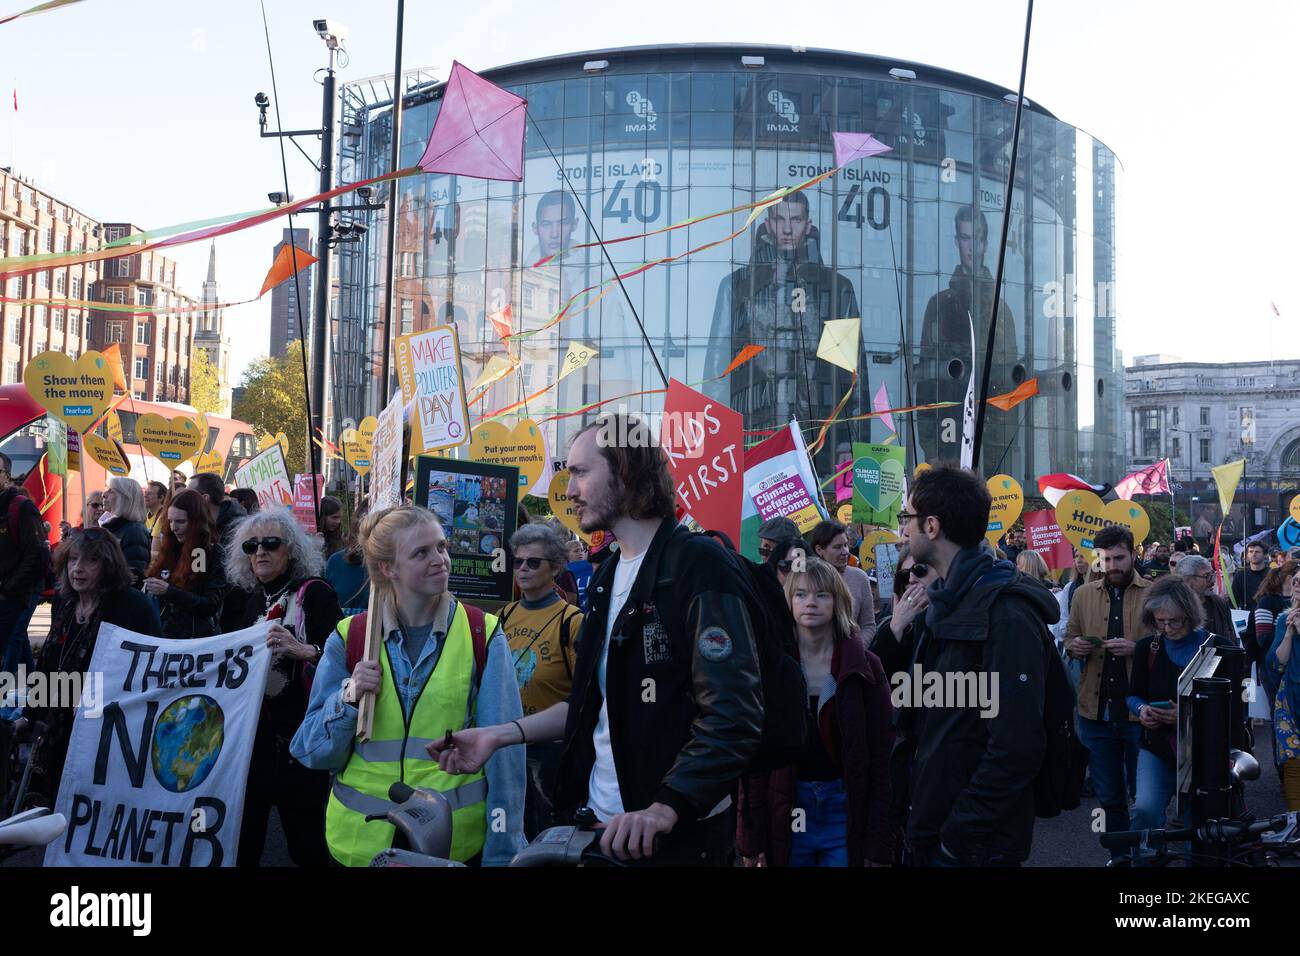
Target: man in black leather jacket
(661, 724)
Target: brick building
(155, 347)
(32, 222)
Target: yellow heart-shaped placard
(1008, 502)
(358, 443)
(561, 507)
(210, 461)
(1131, 515)
(105, 453)
(1081, 515)
(523, 448)
(867, 549)
(845, 514)
(76, 393)
(171, 442)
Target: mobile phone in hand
(1161, 704)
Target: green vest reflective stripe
(397, 752)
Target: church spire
(212, 263)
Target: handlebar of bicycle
(1214, 831)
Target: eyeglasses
(765, 549)
(270, 544)
(96, 506)
(531, 563)
(905, 516)
(1169, 623)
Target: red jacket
(856, 727)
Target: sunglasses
(270, 544)
(531, 563)
(919, 570)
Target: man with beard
(944, 370)
(1159, 563)
(1105, 625)
(781, 300)
(972, 775)
(666, 707)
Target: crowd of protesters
(636, 686)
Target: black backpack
(786, 723)
(1059, 783)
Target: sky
(142, 110)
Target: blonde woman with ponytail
(444, 666)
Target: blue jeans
(1112, 748)
(824, 838)
(1156, 782)
(14, 618)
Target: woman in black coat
(273, 560)
(188, 576)
(94, 586)
(124, 515)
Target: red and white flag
(1053, 487)
(1152, 480)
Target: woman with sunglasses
(276, 564)
(94, 586)
(842, 781)
(542, 630)
(1173, 615)
(187, 575)
(93, 510)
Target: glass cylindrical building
(620, 143)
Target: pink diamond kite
(479, 131)
(851, 146)
(881, 405)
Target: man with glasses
(24, 563)
(1105, 625)
(1199, 575)
(986, 627)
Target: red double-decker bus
(24, 446)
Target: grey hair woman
(272, 557)
(1172, 615)
(124, 515)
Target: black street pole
(319, 335)
(396, 152)
(982, 406)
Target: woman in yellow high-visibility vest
(428, 681)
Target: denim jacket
(324, 741)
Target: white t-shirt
(603, 795)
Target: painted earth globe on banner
(187, 741)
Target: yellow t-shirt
(535, 636)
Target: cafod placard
(878, 472)
(76, 393)
(158, 759)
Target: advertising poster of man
(782, 299)
(944, 367)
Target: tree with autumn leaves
(273, 400)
